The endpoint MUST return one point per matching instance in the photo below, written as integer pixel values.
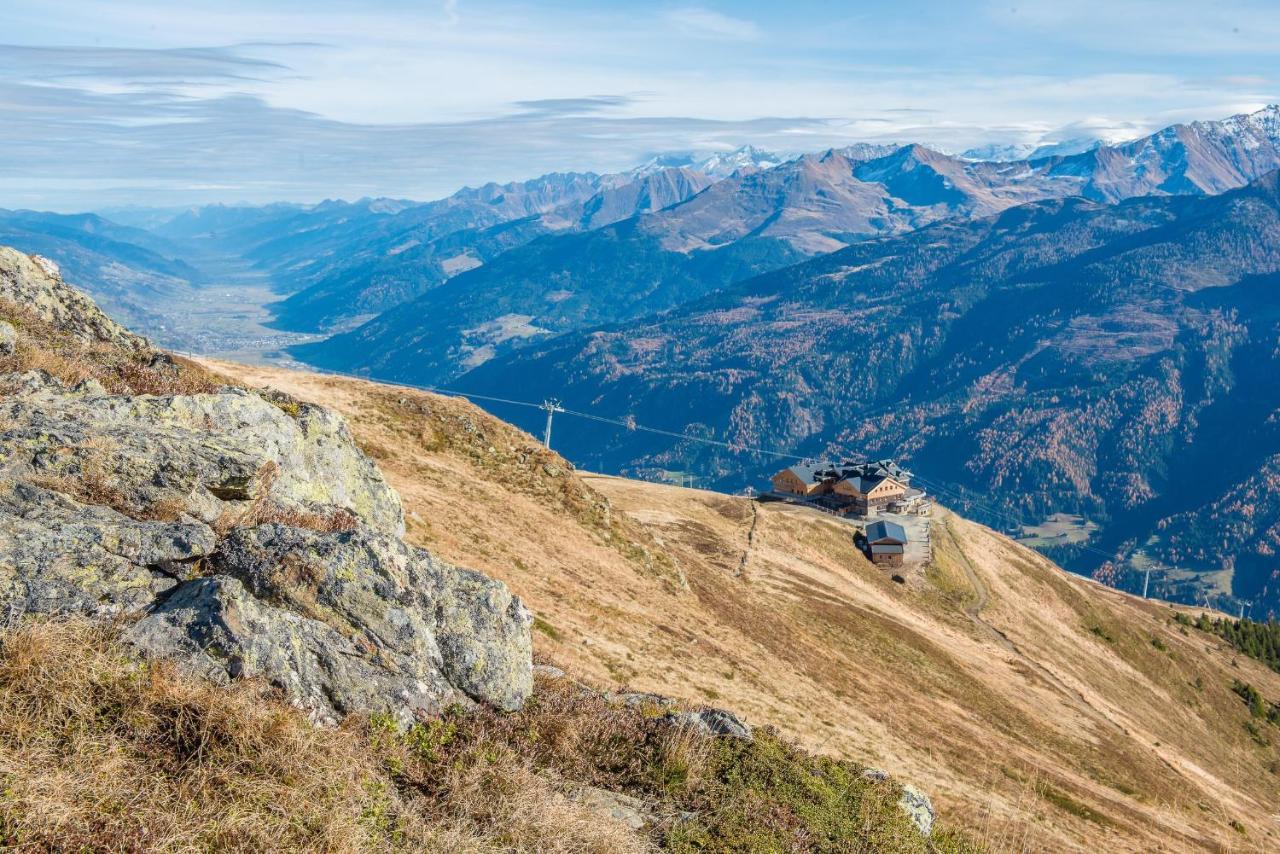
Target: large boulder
(218, 629)
(205, 456)
(8, 338)
(403, 605)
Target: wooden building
(860, 488)
(886, 543)
(805, 479)
(867, 493)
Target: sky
(164, 104)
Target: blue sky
(156, 104)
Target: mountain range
(756, 221)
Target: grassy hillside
(110, 744)
(1045, 711)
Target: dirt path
(975, 609)
(751, 540)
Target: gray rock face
(347, 622)
(201, 455)
(8, 338)
(408, 608)
(157, 508)
(216, 628)
(58, 556)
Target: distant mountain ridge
(758, 220)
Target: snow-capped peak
(723, 164)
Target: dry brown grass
(796, 629)
(89, 486)
(101, 753)
(42, 346)
(98, 753)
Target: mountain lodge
(850, 488)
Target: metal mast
(552, 406)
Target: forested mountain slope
(1116, 361)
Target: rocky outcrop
(245, 533)
(35, 284)
(8, 338)
(205, 456)
(330, 603)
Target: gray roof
(876, 468)
(863, 484)
(886, 532)
(887, 550)
(810, 472)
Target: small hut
(886, 543)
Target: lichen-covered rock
(58, 556)
(202, 455)
(399, 603)
(35, 284)
(8, 338)
(156, 506)
(918, 807)
(714, 722)
(216, 628)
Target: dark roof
(886, 550)
(886, 532)
(863, 484)
(876, 468)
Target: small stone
(8, 338)
(714, 722)
(918, 807)
(617, 806)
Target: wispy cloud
(56, 63)
(706, 23)
(128, 101)
(574, 106)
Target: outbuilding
(886, 543)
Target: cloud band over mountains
(414, 100)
